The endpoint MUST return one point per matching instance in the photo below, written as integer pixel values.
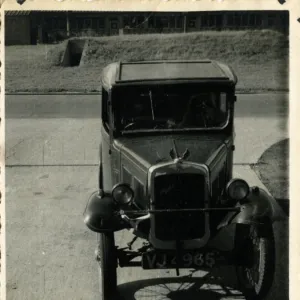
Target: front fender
(100, 214)
(257, 208)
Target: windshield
(153, 108)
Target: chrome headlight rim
(237, 181)
(119, 190)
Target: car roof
(165, 71)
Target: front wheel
(256, 278)
(107, 265)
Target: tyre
(256, 279)
(107, 266)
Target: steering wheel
(160, 126)
(132, 124)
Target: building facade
(46, 27)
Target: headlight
(122, 194)
(237, 189)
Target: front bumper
(101, 215)
(226, 248)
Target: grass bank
(260, 59)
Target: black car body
(165, 171)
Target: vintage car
(165, 173)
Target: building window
(164, 22)
(204, 21)
(94, 24)
(73, 24)
(172, 22)
(283, 21)
(126, 21)
(244, 20)
(62, 24)
(258, 20)
(219, 20)
(80, 24)
(230, 20)
(101, 23)
(237, 21)
(151, 22)
(179, 22)
(271, 20)
(54, 24)
(254, 20)
(192, 22)
(87, 23)
(251, 20)
(133, 21)
(211, 20)
(58, 23)
(140, 21)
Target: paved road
(51, 152)
(50, 253)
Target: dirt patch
(260, 59)
(273, 170)
(73, 53)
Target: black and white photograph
(146, 150)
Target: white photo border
(293, 6)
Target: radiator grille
(179, 191)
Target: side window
(223, 102)
(105, 108)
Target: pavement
(51, 157)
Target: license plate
(194, 260)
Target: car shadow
(215, 285)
